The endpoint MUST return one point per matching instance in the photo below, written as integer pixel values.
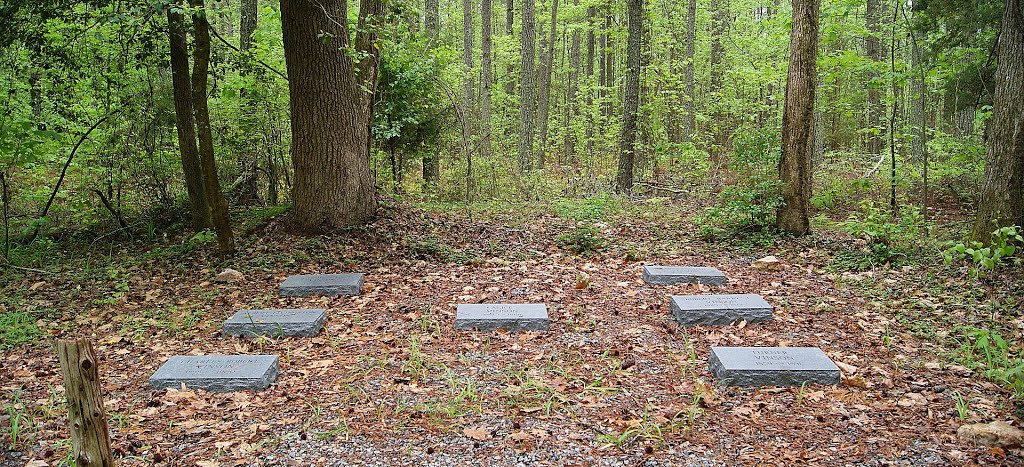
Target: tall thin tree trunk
(631, 101)
(544, 85)
(691, 38)
(431, 165)
(572, 95)
(190, 161)
(468, 95)
(609, 61)
(1002, 196)
(248, 187)
(526, 104)
(331, 111)
(211, 182)
(485, 75)
(510, 16)
(591, 48)
(720, 20)
(873, 48)
(798, 119)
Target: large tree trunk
(248, 186)
(873, 48)
(485, 75)
(544, 85)
(211, 182)
(331, 112)
(631, 101)
(1002, 197)
(798, 119)
(190, 162)
(691, 38)
(431, 165)
(526, 104)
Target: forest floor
(614, 382)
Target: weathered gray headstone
(254, 323)
(772, 366)
(218, 373)
(691, 310)
(670, 275)
(308, 285)
(511, 317)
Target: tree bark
(798, 119)
(544, 86)
(631, 101)
(1002, 196)
(691, 38)
(572, 94)
(331, 112)
(720, 24)
(873, 48)
(431, 165)
(190, 161)
(591, 49)
(87, 418)
(510, 15)
(248, 187)
(211, 183)
(486, 76)
(609, 62)
(526, 104)
(467, 60)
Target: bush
(584, 239)
(886, 238)
(1004, 245)
(750, 204)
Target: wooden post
(87, 418)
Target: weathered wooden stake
(86, 416)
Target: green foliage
(594, 208)
(886, 239)
(584, 239)
(751, 203)
(986, 350)
(1004, 245)
(17, 328)
(433, 248)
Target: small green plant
(988, 351)
(963, 406)
(585, 239)
(17, 328)
(17, 420)
(1004, 245)
(886, 237)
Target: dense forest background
(87, 136)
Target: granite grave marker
(218, 373)
(308, 285)
(508, 316)
(293, 322)
(691, 310)
(772, 366)
(670, 275)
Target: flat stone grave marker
(308, 285)
(671, 275)
(217, 373)
(293, 322)
(691, 310)
(772, 366)
(508, 316)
